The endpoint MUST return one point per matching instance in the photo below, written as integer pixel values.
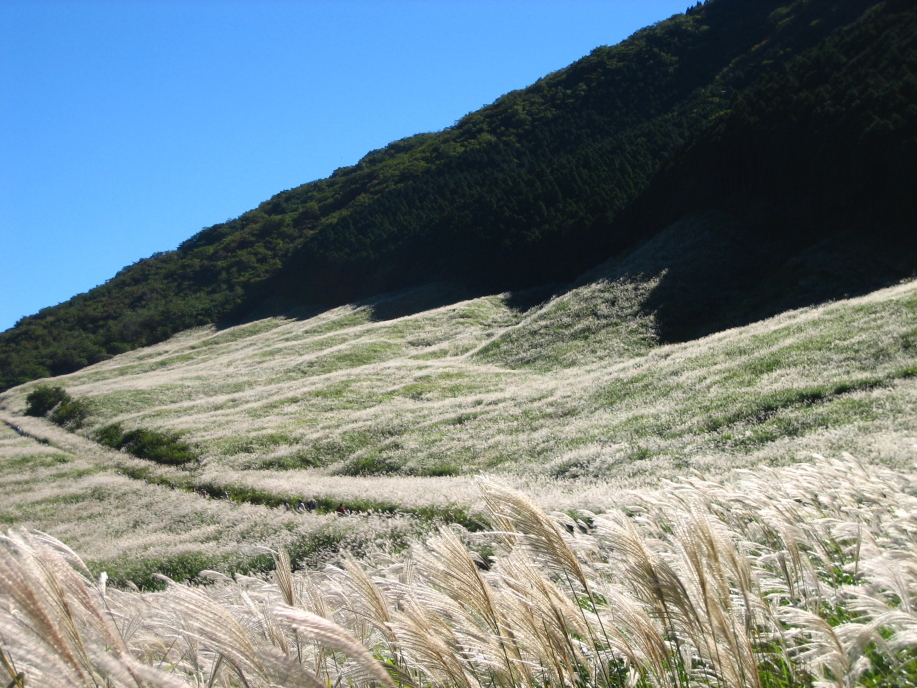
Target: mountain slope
(795, 119)
(446, 392)
(388, 407)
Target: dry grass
(568, 402)
(798, 576)
(452, 391)
(75, 491)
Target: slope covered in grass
(393, 410)
(99, 504)
(479, 385)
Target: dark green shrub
(110, 436)
(153, 445)
(44, 398)
(64, 410)
(71, 414)
(161, 447)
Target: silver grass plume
(446, 564)
(547, 623)
(220, 632)
(54, 627)
(429, 649)
(541, 536)
(336, 639)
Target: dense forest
(797, 120)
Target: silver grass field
(802, 575)
(556, 435)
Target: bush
(110, 436)
(44, 398)
(71, 414)
(161, 447)
(65, 411)
(153, 445)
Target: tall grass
(799, 576)
(574, 389)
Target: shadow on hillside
(524, 300)
(271, 308)
(438, 294)
(407, 302)
(717, 273)
(714, 272)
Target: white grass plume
(55, 623)
(800, 575)
(336, 639)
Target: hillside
(792, 122)
(392, 410)
(573, 400)
(540, 400)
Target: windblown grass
(572, 389)
(798, 576)
(134, 528)
(569, 401)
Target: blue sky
(128, 126)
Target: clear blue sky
(126, 126)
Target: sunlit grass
(133, 522)
(800, 576)
(578, 374)
(345, 407)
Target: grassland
(800, 576)
(796, 572)
(132, 528)
(571, 400)
(451, 391)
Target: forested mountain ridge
(796, 120)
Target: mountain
(785, 131)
